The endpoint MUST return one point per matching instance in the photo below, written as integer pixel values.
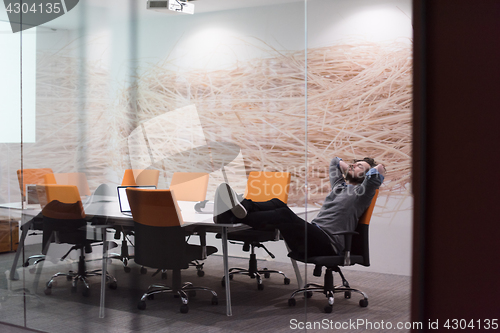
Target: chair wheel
(347, 294)
(200, 273)
(48, 291)
(184, 308)
(291, 302)
(363, 303)
(215, 300)
(191, 293)
(223, 282)
(260, 287)
(308, 294)
(143, 270)
(26, 264)
(113, 285)
(86, 292)
(69, 278)
(127, 269)
(328, 309)
(266, 275)
(164, 275)
(151, 297)
(286, 281)
(141, 305)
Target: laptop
(123, 200)
(31, 194)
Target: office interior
(291, 84)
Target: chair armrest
(347, 245)
(344, 233)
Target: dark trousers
(301, 237)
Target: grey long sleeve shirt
(345, 204)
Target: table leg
(104, 270)
(20, 248)
(226, 271)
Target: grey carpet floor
(253, 310)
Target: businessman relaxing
(353, 187)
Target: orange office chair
(133, 177)
(31, 176)
(160, 242)
(261, 186)
(191, 186)
(64, 222)
(72, 178)
(356, 252)
(140, 177)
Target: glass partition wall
(109, 86)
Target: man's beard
(353, 179)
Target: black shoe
(226, 202)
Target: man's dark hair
(368, 160)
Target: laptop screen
(123, 200)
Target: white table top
(108, 206)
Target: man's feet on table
(227, 205)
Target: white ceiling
(201, 6)
(204, 6)
(121, 7)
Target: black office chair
(356, 252)
(191, 186)
(65, 222)
(102, 193)
(261, 186)
(32, 177)
(35, 227)
(160, 242)
(133, 177)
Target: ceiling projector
(180, 6)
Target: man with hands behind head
(352, 189)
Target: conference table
(106, 211)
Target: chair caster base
(141, 305)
